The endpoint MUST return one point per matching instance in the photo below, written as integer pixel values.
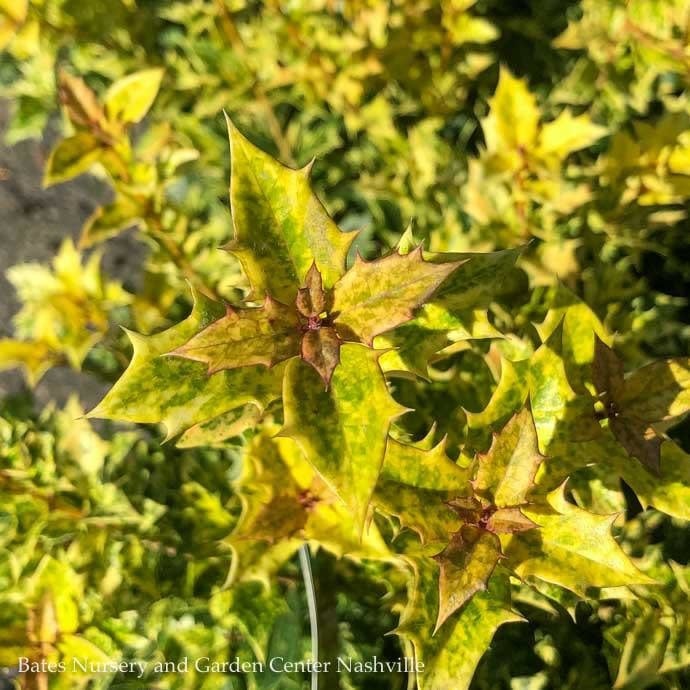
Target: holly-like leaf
(623, 405)
(423, 469)
(639, 440)
(178, 392)
(285, 502)
(311, 299)
(432, 329)
(451, 656)
(669, 491)
(658, 392)
(416, 485)
(130, 98)
(34, 357)
(607, 370)
(560, 415)
(221, 428)
(280, 227)
(567, 134)
(475, 283)
(571, 548)
(506, 473)
(509, 521)
(376, 296)
(508, 397)
(246, 337)
(466, 565)
(342, 430)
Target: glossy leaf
(265, 335)
(130, 98)
(451, 656)
(177, 392)
(571, 548)
(466, 565)
(342, 430)
(280, 227)
(376, 296)
(505, 475)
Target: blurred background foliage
(557, 125)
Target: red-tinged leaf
(81, 104)
(466, 565)
(311, 299)
(509, 521)
(321, 349)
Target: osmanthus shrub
(318, 368)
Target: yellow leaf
(566, 134)
(131, 97)
(514, 117)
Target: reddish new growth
(320, 346)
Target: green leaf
(579, 326)
(342, 430)
(266, 335)
(451, 656)
(71, 157)
(506, 473)
(424, 511)
(431, 330)
(178, 392)
(130, 98)
(559, 413)
(508, 397)
(668, 492)
(280, 227)
(571, 548)
(415, 486)
(466, 565)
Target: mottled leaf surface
(506, 473)
(466, 565)
(264, 335)
(376, 296)
(342, 430)
(571, 548)
(451, 656)
(280, 227)
(178, 392)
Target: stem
(177, 256)
(305, 564)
